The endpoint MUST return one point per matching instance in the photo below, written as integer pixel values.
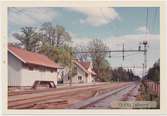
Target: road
(67, 97)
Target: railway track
(26, 101)
(31, 91)
(105, 101)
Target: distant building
(84, 73)
(29, 69)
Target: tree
(62, 55)
(120, 74)
(96, 47)
(154, 72)
(79, 55)
(28, 38)
(51, 52)
(105, 73)
(56, 36)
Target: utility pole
(123, 56)
(143, 71)
(145, 57)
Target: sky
(113, 25)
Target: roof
(85, 66)
(28, 57)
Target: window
(79, 77)
(74, 70)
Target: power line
(132, 54)
(146, 23)
(151, 16)
(155, 18)
(128, 55)
(150, 19)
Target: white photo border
(44, 3)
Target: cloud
(11, 39)
(115, 42)
(30, 16)
(78, 40)
(96, 16)
(131, 40)
(143, 29)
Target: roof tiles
(32, 57)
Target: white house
(84, 73)
(29, 69)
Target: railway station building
(29, 69)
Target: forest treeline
(154, 72)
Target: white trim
(16, 55)
(82, 67)
(87, 71)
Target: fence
(153, 87)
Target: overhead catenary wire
(150, 19)
(155, 18)
(128, 55)
(146, 32)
